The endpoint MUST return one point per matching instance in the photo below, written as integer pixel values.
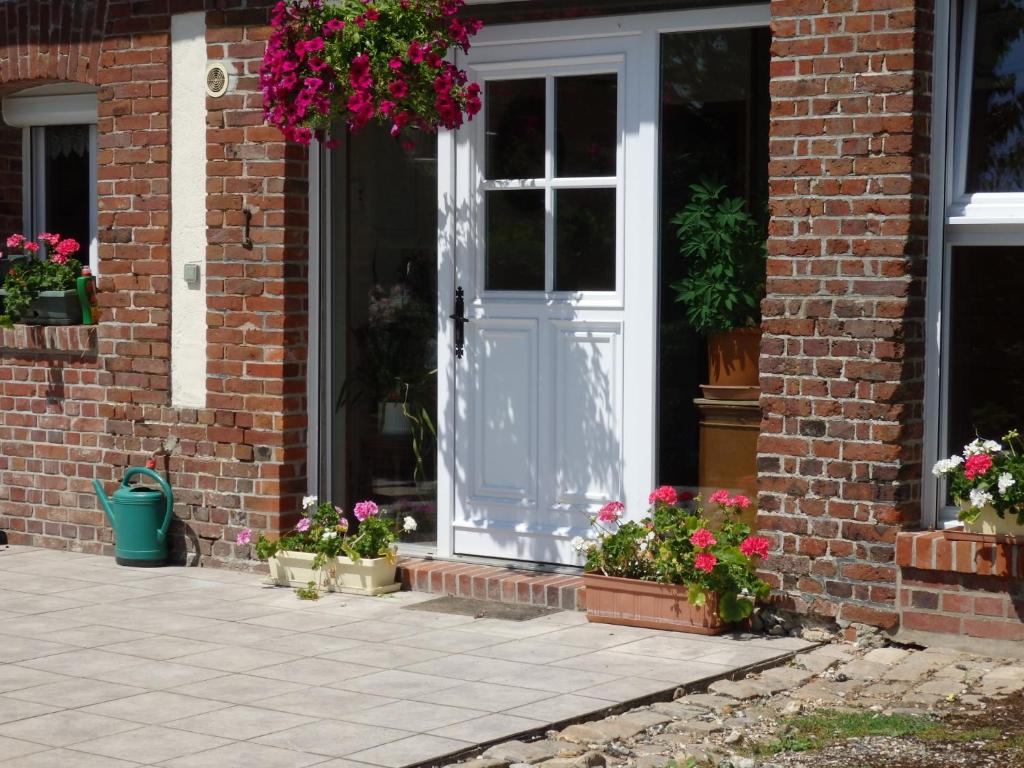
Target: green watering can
(140, 517)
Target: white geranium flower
(329, 535)
(308, 501)
(991, 446)
(944, 466)
(979, 498)
(409, 525)
(1005, 481)
(578, 543)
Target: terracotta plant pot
(611, 600)
(374, 576)
(733, 360)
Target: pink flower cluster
(364, 509)
(705, 561)
(60, 250)
(611, 512)
(665, 494)
(403, 84)
(977, 465)
(723, 499)
(703, 538)
(244, 537)
(755, 546)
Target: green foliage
(819, 729)
(30, 278)
(724, 250)
(308, 592)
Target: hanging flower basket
(360, 61)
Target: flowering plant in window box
(40, 284)
(322, 549)
(366, 60)
(986, 480)
(675, 568)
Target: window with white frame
(975, 361)
(59, 174)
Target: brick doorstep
(492, 582)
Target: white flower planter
(991, 524)
(374, 576)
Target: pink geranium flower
(364, 509)
(739, 500)
(705, 561)
(31, 247)
(611, 512)
(703, 538)
(244, 537)
(977, 465)
(68, 247)
(666, 494)
(755, 546)
(49, 238)
(720, 497)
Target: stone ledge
(492, 582)
(932, 551)
(50, 339)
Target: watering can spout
(104, 502)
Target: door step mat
(482, 609)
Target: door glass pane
(995, 154)
(986, 366)
(714, 125)
(68, 197)
(383, 298)
(515, 128)
(585, 240)
(587, 124)
(515, 240)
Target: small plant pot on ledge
(370, 576)
(52, 308)
(635, 603)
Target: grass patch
(827, 726)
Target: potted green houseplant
(40, 284)
(674, 569)
(724, 249)
(358, 61)
(986, 480)
(321, 550)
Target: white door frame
(642, 189)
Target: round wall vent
(216, 80)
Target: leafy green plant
(308, 592)
(49, 267)
(677, 544)
(724, 249)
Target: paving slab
(195, 668)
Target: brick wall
(841, 368)
(69, 416)
(969, 588)
(10, 182)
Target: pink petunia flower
(755, 546)
(244, 537)
(666, 494)
(303, 525)
(705, 561)
(364, 509)
(703, 538)
(611, 512)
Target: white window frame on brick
(957, 218)
(33, 110)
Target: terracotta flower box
(634, 603)
(370, 576)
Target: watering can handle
(168, 495)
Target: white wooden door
(554, 250)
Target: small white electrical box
(192, 272)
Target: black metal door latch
(460, 319)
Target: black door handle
(459, 316)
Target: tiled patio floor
(186, 668)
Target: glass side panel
(383, 300)
(995, 152)
(68, 198)
(714, 125)
(986, 367)
(515, 128)
(585, 240)
(515, 240)
(586, 114)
